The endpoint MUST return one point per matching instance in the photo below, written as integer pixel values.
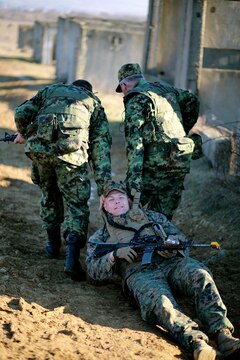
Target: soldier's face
(126, 87)
(116, 203)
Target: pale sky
(117, 8)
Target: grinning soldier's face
(116, 203)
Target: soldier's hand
(167, 254)
(19, 139)
(125, 253)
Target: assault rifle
(147, 245)
(8, 137)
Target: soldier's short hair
(84, 84)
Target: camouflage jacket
(69, 122)
(100, 268)
(155, 131)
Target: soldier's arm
(100, 147)
(189, 105)
(26, 112)
(98, 268)
(135, 116)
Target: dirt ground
(46, 316)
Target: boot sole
(206, 354)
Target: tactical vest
(125, 227)
(166, 114)
(64, 119)
(163, 131)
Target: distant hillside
(104, 8)
(27, 16)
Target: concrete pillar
(189, 45)
(61, 49)
(152, 37)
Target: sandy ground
(46, 316)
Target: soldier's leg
(192, 278)
(51, 209)
(163, 194)
(75, 186)
(155, 299)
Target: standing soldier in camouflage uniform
(151, 285)
(157, 118)
(65, 127)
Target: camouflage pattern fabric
(126, 71)
(159, 152)
(68, 122)
(153, 290)
(129, 70)
(112, 185)
(63, 185)
(162, 191)
(152, 286)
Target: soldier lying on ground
(153, 285)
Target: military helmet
(113, 185)
(126, 71)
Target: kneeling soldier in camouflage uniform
(65, 127)
(152, 285)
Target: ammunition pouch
(47, 127)
(198, 152)
(177, 154)
(71, 134)
(66, 131)
(181, 152)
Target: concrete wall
(64, 48)
(37, 41)
(219, 80)
(195, 44)
(44, 42)
(172, 46)
(25, 36)
(97, 48)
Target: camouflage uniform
(158, 118)
(152, 285)
(65, 127)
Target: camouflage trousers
(153, 287)
(65, 192)
(162, 192)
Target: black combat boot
(72, 266)
(54, 243)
